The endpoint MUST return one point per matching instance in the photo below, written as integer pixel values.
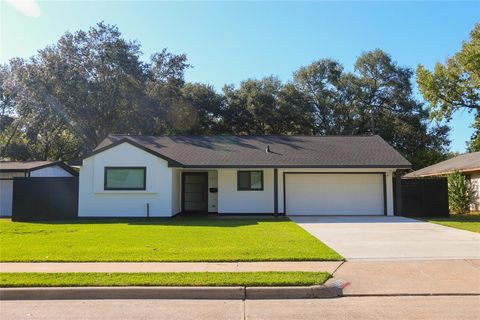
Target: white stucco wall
(53, 171)
(230, 200)
(212, 197)
(94, 201)
(390, 195)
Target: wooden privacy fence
(45, 198)
(425, 197)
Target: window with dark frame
(125, 178)
(249, 180)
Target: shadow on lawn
(178, 220)
(354, 219)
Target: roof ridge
(241, 136)
(28, 161)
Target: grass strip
(162, 240)
(189, 279)
(469, 222)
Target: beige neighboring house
(468, 164)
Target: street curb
(312, 292)
(214, 293)
(65, 293)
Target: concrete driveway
(391, 238)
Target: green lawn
(469, 222)
(191, 279)
(178, 239)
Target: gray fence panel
(45, 198)
(424, 197)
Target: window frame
(250, 180)
(106, 188)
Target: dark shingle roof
(249, 151)
(469, 162)
(23, 165)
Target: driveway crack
(244, 312)
(338, 267)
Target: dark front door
(195, 191)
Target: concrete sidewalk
(410, 277)
(366, 308)
(421, 277)
(324, 266)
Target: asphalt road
(411, 307)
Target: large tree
(197, 111)
(87, 85)
(63, 101)
(376, 98)
(319, 82)
(28, 130)
(166, 108)
(455, 84)
(386, 92)
(265, 107)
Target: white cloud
(27, 7)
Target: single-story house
(138, 176)
(468, 164)
(12, 169)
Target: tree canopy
(455, 84)
(62, 102)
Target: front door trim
(183, 188)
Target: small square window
(250, 180)
(125, 178)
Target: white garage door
(6, 194)
(334, 194)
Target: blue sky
(227, 42)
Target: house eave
(442, 173)
(289, 166)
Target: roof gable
(28, 166)
(100, 148)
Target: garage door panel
(334, 194)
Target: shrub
(461, 193)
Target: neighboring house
(468, 164)
(136, 176)
(11, 169)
